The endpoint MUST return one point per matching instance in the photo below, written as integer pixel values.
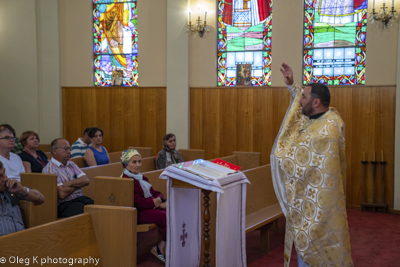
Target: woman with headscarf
(168, 155)
(149, 203)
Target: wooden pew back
(114, 191)
(115, 156)
(191, 154)
(47, 185)
(44, 147)
(145, 152)
(112, 169)
(48, 155)
(260, 193)
(246, 160)
(80, 161)
(157, 183)
(148, 164)
(81, 236)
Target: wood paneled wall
(223, 120)
(128, 116)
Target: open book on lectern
(205, 169)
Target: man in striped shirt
(80, 145)
(70, 179)
(11, 191)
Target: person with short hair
(12, 162)
(308, 165)
(168, 155)
(149, 203)
(17, 144)
(11, 191)
(32, 159)
(80, 145)
(96, 154)
(70, 180)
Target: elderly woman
(168, 155)
(149, 203)
(33, 160)
(96, 154)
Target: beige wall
(29, 51)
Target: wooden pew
(246, 160)
(117, 192)
(80, 161)
(262, 206)
(48, 155)
(191, 154)
(27, 213)
(47, 185)
(115, 156)
(44, 147)
(145, 152)
(96, 234)
(112, 170)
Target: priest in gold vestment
(309, 174)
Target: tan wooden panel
(368, 113)
(113, 191)
(80, 161)
(115, 156)
(127, 116)
(191, 154)
(44, 147)
(112, 169)
(27, 213)
(72, 237)
(157, 183)
(116, 238)
(145, 152)
(47, 185)
(248, 160)
(148, 164)
(48, 155)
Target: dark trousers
(73, 207)
(156, 216)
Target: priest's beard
(307, 109)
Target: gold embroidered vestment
(311, 156)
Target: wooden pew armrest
(262, 217)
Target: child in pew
(168, 155)
(149, 203)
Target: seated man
(11, 191)
(18, 147)
(11, 162)
(70, 179)
(80, 145)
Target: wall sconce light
(383, 15)
(198, 26)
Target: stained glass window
(244, 42)
(115, 43)
(334, 41)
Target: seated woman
(33, 160)
(168, 155)
(149, 203)
(96, 154)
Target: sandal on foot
(156, 252)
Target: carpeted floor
(374, 237)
